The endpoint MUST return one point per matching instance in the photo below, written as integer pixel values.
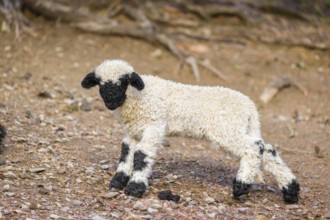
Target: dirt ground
(49, 127)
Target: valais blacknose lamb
(151, 108)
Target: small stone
(53, 216)
(212, 215)
(86, 106)
(25, 207)
(77, 202)
(10, 194)
(292, 206)
(327, 215)
(10, 175)
(221, 208)
(243, 210)
(151, 210)
(209, 200)
(65, 209)
(156, 206)
(36, 170)
(187, 194)
(139, 206)
(188, 199)
(2, 162)
(171, 178)
(105, 166)
(6, 187)
(89, 170)
(115, 215)
(110, 195)
(97, 217)
(103, 162)
(192, 202)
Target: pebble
(327, 215)
(243, 210)
(139, 206)
(86, 106)
(97, 217)
(110, 195)
(6, 187)
(2, 162)
(221, 208)
(115, 215)
(77, 202)
(187, 194)
(53, 216)
(264, 201)
(105, 166)
(292, 206)
(37, 170)
(212, 215)
(10, 194)
(171, 178)
(209, 200)
(156, 206)
(151, 210)
(188, 199)
(65, 209)
(103, 162)
(89, 170)
(10, 175)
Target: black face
(113, 94)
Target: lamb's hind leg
(286, 181)
(125, 166)
(249, 169)
(247, 149)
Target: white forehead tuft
(112, 70)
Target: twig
(194, 67)
(207, 64)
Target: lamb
(151, 108)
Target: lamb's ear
(136, 81)
(90, 80)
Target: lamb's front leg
(145, 153)
(125, 166)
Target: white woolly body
(224, 116)
(194, 111)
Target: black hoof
(119, 181)
(240, 188)
(291, 193)
(135, 189)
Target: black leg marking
(119, 181)
(139, 163)
(240, 188)
(124, 152)
(135, 189)
(273, 152)
(291, 193)
(261, 146)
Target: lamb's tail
(2, 133)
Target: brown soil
(41, 93)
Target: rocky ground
(63, 145)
